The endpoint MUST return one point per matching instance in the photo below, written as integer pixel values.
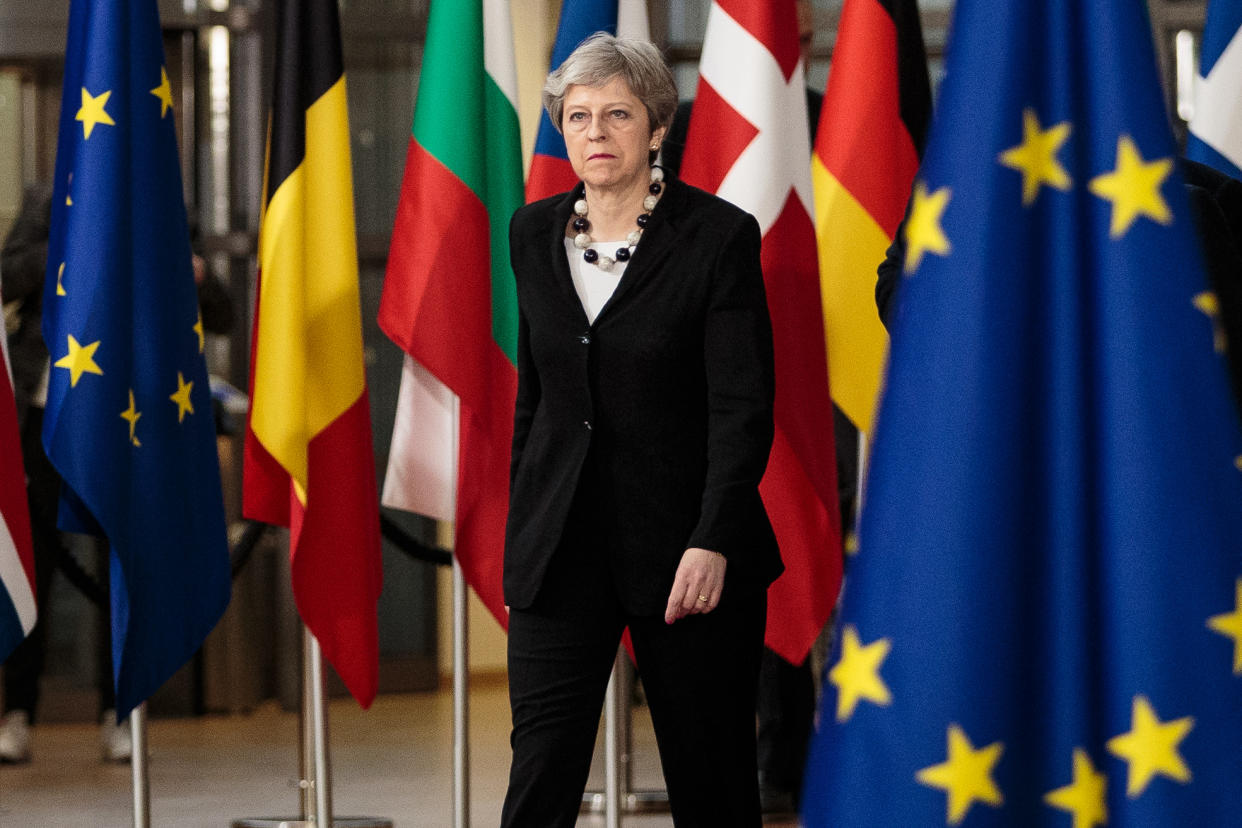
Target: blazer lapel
(657, 242)
(561, 212)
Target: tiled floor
(394, 761)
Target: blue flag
(1043, 623)
(129, 418)
(1216, 128)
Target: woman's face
(608, 135)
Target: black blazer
(661, 409)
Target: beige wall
(10, 148)
(534, 30)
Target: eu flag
(1043, 623)
(129, 419)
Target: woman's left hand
(698, 584)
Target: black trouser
(699, 675)
(786, 715)
(25, 664)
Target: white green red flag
(449, 297)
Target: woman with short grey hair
(603, 57)
(642, 428)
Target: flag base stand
(634, 802)
(316, 781)
(298, 822)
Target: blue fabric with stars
(129, 417)
(1051, 540)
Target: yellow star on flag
(92, 111)
(1230, 624)
(164, 93)
(198, 329)
(131, 415)
(182, 397)
(60, 275)
(1084, 797)
(857, 674)
(1036, 156)
(923, 231)
(966, 776)
(1134, 188)
(80, 360)
(1210, 306)
(1150, 747)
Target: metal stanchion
(612, 750)
(315, 786)
(138, 766)
(618, 749)
(461, 703)
(319, 733)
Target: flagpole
(321, 781)
(461, 702)
(306, 744)
(618, 755)
(315, 784)
(612, 764)
(139, 766)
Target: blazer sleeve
(528, 393)
(738, 357)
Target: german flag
(308, 461)
(867, 149)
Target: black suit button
(586, 424)
(585, 339)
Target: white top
(594, 286)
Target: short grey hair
(602, 57)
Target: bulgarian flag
(17, 574)
(449, 297)
(550, 171)
(867, 150)
(308, 461)
(747, 143)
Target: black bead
(623, 254)
(590, 255)
(581, 224)
(643, 219)
(655, 188)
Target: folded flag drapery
(309, 461)
(128, 422)
(1043, 624)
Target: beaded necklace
(582, 227)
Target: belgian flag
(867, 150)
(309, 462)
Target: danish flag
(748, 142)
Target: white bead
(633, 237)
(582, 241)
(657, 174)
(580, 207)
(649, 203)
(604, 263)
